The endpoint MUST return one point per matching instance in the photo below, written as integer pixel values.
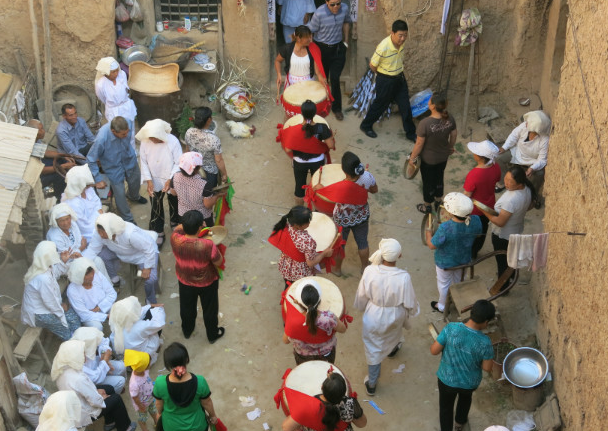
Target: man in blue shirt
(466, 351)
(73, 134)
(331, 26)
(293, 14)
(113, 150)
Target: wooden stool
(30, 337)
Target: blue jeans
(360, 232)
(113, 265)
(133, 179)
(54, 324)
(373, 374)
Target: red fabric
(225, 209)
(294, 327)
(316, 56)
(278, 397)
(346, 319)
(282, 241)
(343, 192)
(193, 259)
(338, 249)
(219, 426)
(308, 411)
(481, 182)
(294, 138)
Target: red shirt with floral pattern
(289, 268)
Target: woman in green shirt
(180, 395)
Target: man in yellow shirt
(387, 63)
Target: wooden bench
(30, 337)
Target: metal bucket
(167, 107)
(527, 399)
(501, 349)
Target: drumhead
(322, 229)
(331, 174)
(298, 93)
(331, 297)
(410, 172)
(484, 207)
(436, 220)
(299, 119)
(309, 376)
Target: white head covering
(123, 315)
(190, 160)
(539, 122)
(485, 149)
(69, 355)
(389, 250)
(154, 129)
(61, 210)
(458, 204)
(78, 269)
(105, 66)
(45, 256)
(61, 412)
(112, 224)
(92, 339)
(76, 180)
(496, 428)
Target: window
(197, 10)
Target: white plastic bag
(128, 2)
(520, 420)
(136, 14)
(31, 399)
(121, 13)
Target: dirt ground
(250, 359)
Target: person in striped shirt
(387, 63)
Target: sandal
(220, 334)
(424, 209)
(458, 427)
(434, 306)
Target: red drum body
(298, 93)
(329, 174)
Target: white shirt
(299, 66)
(87, 211)
(42, 295)
(143, 335)
(159, 161)
(91, 401)
(517, 203)
(83, 300)
(115, 97)
(527, 153)
(134, 245)
(62, 241)
(387, 297)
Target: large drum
(298, 93)
(329, 174)
(307, 379)
(298, 119)
(331, 297)
(323, 230)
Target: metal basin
(136, 53)
(525, 367)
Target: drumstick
(278, 91)
(335, 240)
(320, 173)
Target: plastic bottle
(187, 23)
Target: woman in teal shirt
(180, 395)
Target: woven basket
(230, 111)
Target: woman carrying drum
(435, 143)
(302, 59)
(308, 146)
(298, 248)
(311, 331)
(331, 410)
(352, 210)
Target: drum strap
(345, 192)
(282, 241)
(308, 411)
(294, 327)
(293, 138)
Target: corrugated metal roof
(16, 145)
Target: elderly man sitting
(113, 150)
(73, 134)
(98, 366)
(527, 146)
(90, 293)
(127, 243)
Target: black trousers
(480, 239)
(333, 58)
(115, 410)
(389, 89)
(157, 214)
(447, 398)
(188, 298)
(501, 259)
(300, 173)
(432, 180)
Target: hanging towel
(541, 245)
(520, 251)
